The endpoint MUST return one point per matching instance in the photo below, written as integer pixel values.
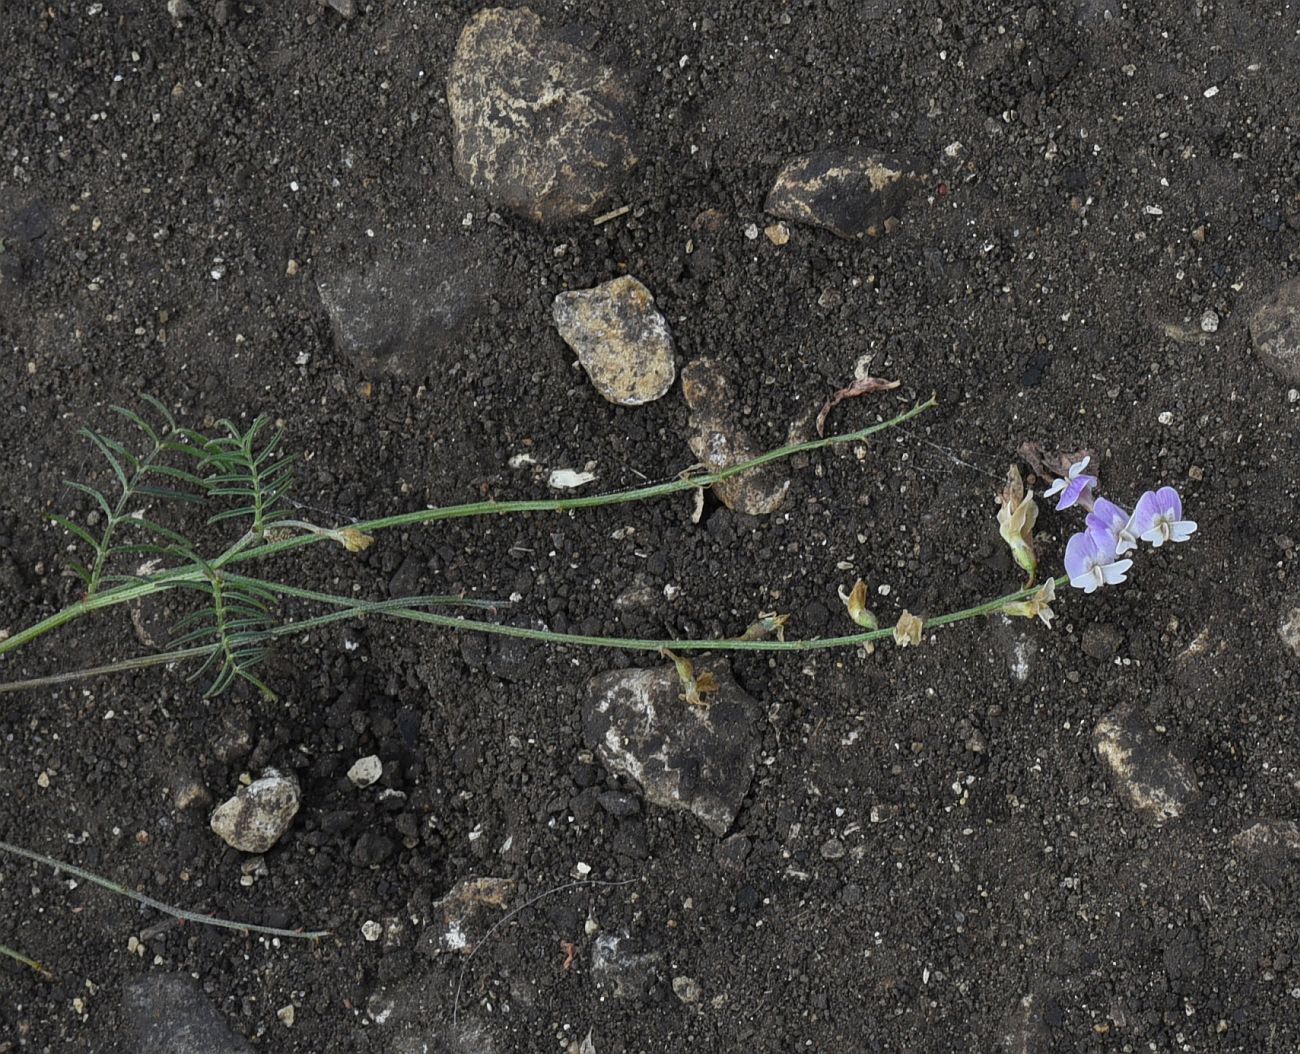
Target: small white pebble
(1211, 91)
(285, 1014)
(883, 590)
(751, 232)
(1166, 418)
(1210, 321)
(583, 869)
(371, 930)
(365, 771)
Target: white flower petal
(1182, 530)
(1114, 573)
(1088, 582)
(1057, 486)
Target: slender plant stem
(158, 905)
(354, 609)
(620, 497)
(26, 960)
(239, 553)
(989, 607)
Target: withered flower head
(1017, 515)
(1037, 604)
(907, 631)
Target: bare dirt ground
(930, 856)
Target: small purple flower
(1091, 562)
(1108, 518)
(1158, 518)
(1076, 489)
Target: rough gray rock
(621, 340)
(541, 127)
(719, 441)
(396, 312)
(1275, 331)
(620, 970)
(459, 920)
(699, 758)
(1146, 772)
(850, 192)
(1289, 630)
(169, 1014)
(259, 814)
(1270, 837)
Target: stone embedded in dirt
(169, 1014)
(365, 771)
(510, 658)
(1101, 641)
(620, 970)
(851, 192)
(540, 126)
(699, 758)
(259, 814)
(459, 920)
(1275, 331)
(687, 989)
(234, 740)
(1146, 772)
(1270, 837)
(400, 311)
(372, 849)
(621, 340)
(1024, 1031)
(1289, 630)
(619, 805)
(190, 793)
(719, 441)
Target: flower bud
(856, 603)
(1036, 605)
(354, 541)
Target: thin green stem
(158, 905)
(239, 553)
(989, 607)
(26, 960)
(620, 497)
(354, 609)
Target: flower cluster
(1093, 557)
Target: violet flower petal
(1109, 518)
(1078, 488)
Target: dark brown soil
(1030, 287)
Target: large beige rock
(621, 340)
(541, 126)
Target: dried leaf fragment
(861, 386)
(694, 688)
(769, 625)
(907, 631)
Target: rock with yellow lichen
(851, 192)
(621, 340)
